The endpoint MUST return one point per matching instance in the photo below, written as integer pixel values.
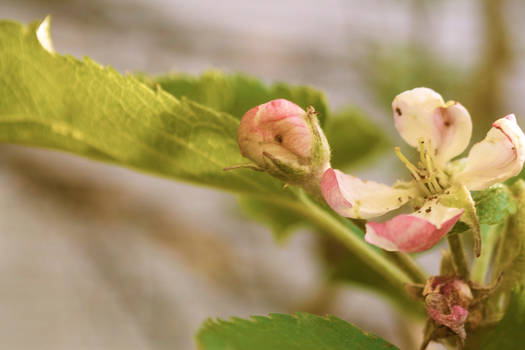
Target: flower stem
(455, 242)
(355, 244)
(408, 264)
(350, 235)
(481, 264)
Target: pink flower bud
(447, 300)
(285, 141)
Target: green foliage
(285, 332)
(55, 101)
(235, 94)
(510, 258)
(353, 138)
(509, 333)
(494, 204)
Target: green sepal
(494, 204)
(458, 196)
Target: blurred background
(94, 256)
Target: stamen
(422, 149)
(424, 153)
(440, 174)
(427, 166)
(410, 166)
(413, 170)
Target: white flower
(440, 131)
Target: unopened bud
(447, 300)
(285, 141)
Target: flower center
(429, 177)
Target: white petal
(495, 159)
(413, 110)
(354, 198)
(455, 130)
(435, 213)
(422, 113)
(414, 232)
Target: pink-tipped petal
(354, 198)
(495, 159)
(277, 126)
(414, 232)
(285, 141)
(422, 113)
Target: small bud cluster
(447, 300)
(454, 306)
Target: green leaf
(494, 204)
(509, 333)
(285, 332)
(55, 101)
(354, 138)
(459, 197)
(510, 258)
(235, 94)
